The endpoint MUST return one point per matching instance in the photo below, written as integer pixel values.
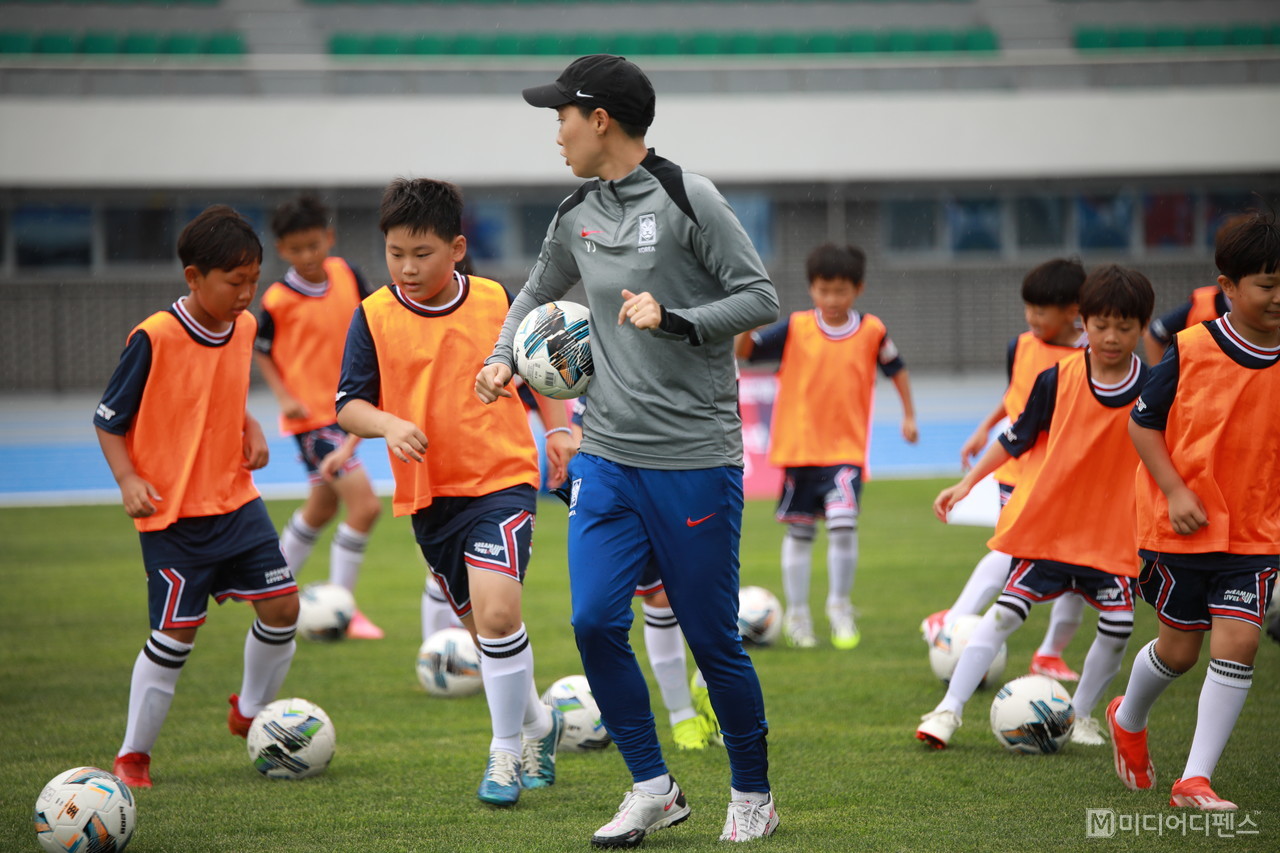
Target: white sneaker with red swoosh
(640, 814)
(747, 821)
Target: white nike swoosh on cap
(582, 94)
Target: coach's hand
(642, 310)
(491, 382)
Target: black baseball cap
(602, 80)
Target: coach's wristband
(673, 324)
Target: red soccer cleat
(238, 723)
(1196, 793)
(1054, 667)
(1133, 762)
(133, 769)
(931, 627)
(360, 628)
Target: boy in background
(828, 354)
(1206, 303)
(467, 473)
(301, 328)
(1073, 428)
(1208, 510)
(175, 431)
(1050, 297)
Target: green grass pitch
(846, 770)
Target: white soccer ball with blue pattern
(84, 809)
(325, 611)
(582, 730)
(552, 350)
(449, 664)
(291, 739)
(759, 616)
(1032, 714)
(950, 643)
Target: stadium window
(52, 235)
(1219, 207)
(1105, 221)
(974, 224)
(911, 225)
(254, 213)
(139, 235)
(534, 219)
(1040, 222)
(486, 226)
(1168, 220)
(755, 212)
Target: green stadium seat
(785, 43)
(225, 44)
(428, 44)
(347, 44)
(899, 41)
(1167, 38)
(744, 43)
(826, 41)
(1128, 39)
(58, 42)
(631, 44)
(940, 41)
(385, 44)
(706, 43)
(549, 44)
(1247, 35)
(470, 44)
(1208, 37)
(584, 44)
(141, 43)
(182, 44)
(668, 44)
(862, 41)
(98, 42)
(1092, 38)
(16, 41)
(980, 41)
(511, 44)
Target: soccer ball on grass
(583, 730)
(84, 809)
(945, 652)
(291, 739)
(1032, 714)
(325, 611)
(449, 664)
(759, 616)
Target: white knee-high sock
(268, 652)
(1226, 686)
(436, 612)
(664, 642)
(346, 554)
(984, 584)
(537, 716)
(1103, 661)
(999, 622)
(842, 564)
(1147, 680)
(797, 553)
(507, 673)
(1064, 620)
(296, 541)
(155, 677)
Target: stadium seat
(584, 44)
(981, 41)
(784, 43)
(707, 43)
(1091, 38)
(182, 44)
(744, 43)
(98, 42)
(347, 44)
(862, 42)
(15, 41)
(898, 41)
(428, 44)
(58, 42)
(1208, 37)
(1167, 38)
(1247, 35)
(940, 41)
(667, 44)
(140, 43)
(827, 42)
(1128, 39)
(631, 44)
(225, 44)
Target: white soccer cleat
(640, 814)
(937, 727)
(799, 631)
(748, 821)
(1087, 732)
(844, 631)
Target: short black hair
(634, 131)
(832, 261)
(1116, 291)
(1247, 244)
(1056, 282)
(218, 239)
(423, 206)
(300, 214)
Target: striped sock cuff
(1158, 667)
(272, 636)
(166, 651)
(350, 538)
(659, 617)
(1115, 627)
(1230, 673)
(299, 528)
(505, 647)
(1017, 605)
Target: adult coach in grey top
(670, 278)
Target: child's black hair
(422, 205)
(1054, 283)
(218, 239)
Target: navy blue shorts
(497, 540)
(316, 444)
(1035, 581)
(179, 597)
(1189, 599)
(833, 492)
(1006, 492)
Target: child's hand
(642, 310)
(561, 447)
(333, 462)
(909, 431)
(947, 499)
(491, 382)
(256, 454)
(971, 448)
(1186, 513)
(138, 497)
(405, 441)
